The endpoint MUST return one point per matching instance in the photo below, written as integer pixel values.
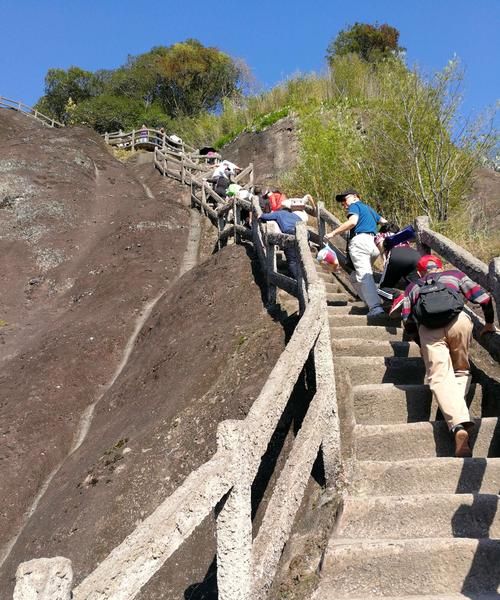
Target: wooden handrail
(29, 110)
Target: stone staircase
(416, 523)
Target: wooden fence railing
(24, 108)
(148, 138)
(245, 566)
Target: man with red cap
(433, 307)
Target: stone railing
(245, 566)
(28, 110)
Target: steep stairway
(416, 523)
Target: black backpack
(437, 304)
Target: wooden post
(321, 223)
(183, 172)
(133, 139)
(106, 137)
(270, 268)
(220, 229)
(204, 198)
(236, 220)
(494, 282)
(421, 223)
(234, 521)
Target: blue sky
(276, 38)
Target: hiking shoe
(462, 448)
(376, 311)
(397, 304)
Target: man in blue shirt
(362, 224)
(286, 220)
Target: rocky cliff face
(115, 370)
(272, 151)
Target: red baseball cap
(423, 263)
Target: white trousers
(363, 252)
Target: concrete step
(333, 288)
(409, 567)
(326, 276)
(337, 299)
(388, 403)
(423, 440)
(420, 516)
(359, 347)
(352, 320)
(353, 308)
(426, 476)
(364, 332)
(378, 369)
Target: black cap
(340, 197)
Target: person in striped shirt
(445, 350)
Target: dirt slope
(87, 244)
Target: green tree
(190, 78)
(111, 113)
(61, 85)
(371, 42)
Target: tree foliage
(181, 80)
(370, 42)
(395, 135)
(61, 85)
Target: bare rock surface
(272, 151)
(114, 371)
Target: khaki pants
(446, 355)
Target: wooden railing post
(321, 223)
(271, 267)
(44, 579)
(494, 282)
(106, 137)
(133, 139)
(420, 223)
(234, 521)
(237, 220)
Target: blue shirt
(367, 217)
(285, 219)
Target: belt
(360, 232)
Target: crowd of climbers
(431, 305)
(433, 300)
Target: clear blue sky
(276, 38)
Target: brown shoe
(462, 448)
